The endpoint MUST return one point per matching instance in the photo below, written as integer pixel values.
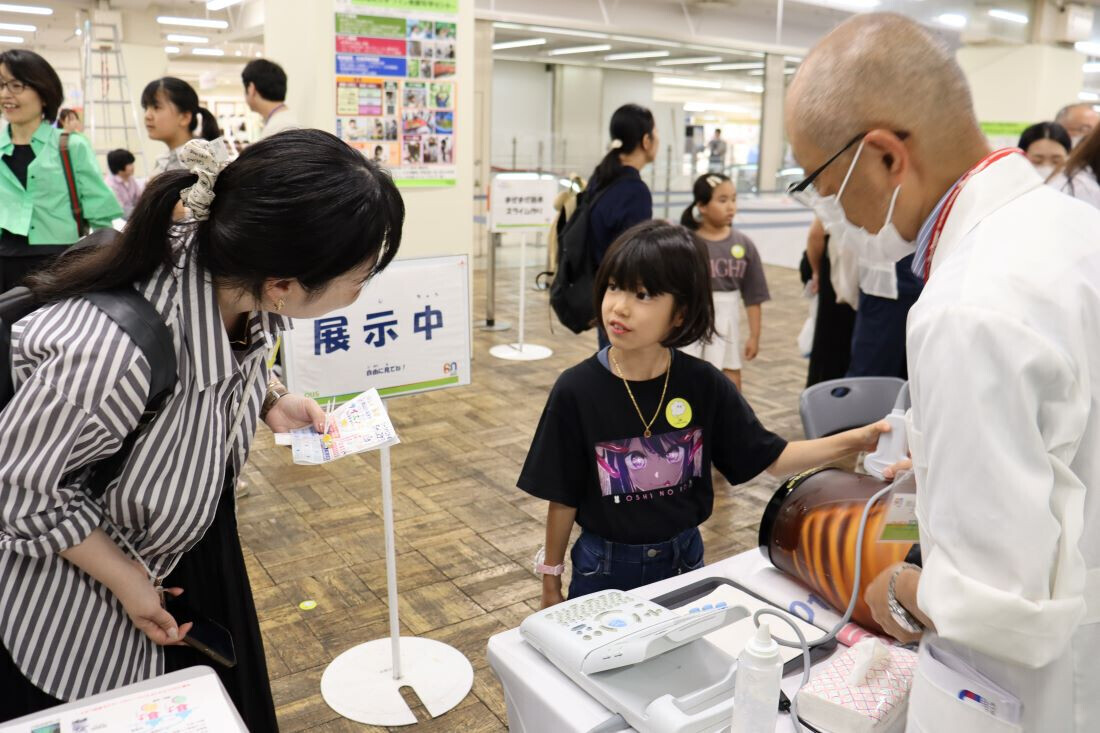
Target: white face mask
(1074, 139)
(1045, 171)
(886, 246)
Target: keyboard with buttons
(612, 629)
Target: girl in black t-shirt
(626, 442)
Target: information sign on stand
(409, 331)
(522, 204)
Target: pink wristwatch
(541, 569)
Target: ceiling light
(755, 72)
(519, 44)
(11, 39)
(564, 32)
(670, 81)
(1008, 16)
(509, 26)
(853, 6)
(742, 66)
(754, 89)
(636, 55)
(718, 107)
(22, 28)
(952, 20)
(220, 4)
(192, 22)
(238, 53)
(1088, 48)
(171, 49)
(690, 60)
(183, 38)
(647, 41)
(208, 52)
(258, 54)
(1088, 96)
(25, 9)
(580, 49)
(1091, 67)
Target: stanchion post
(391, 560)
(668, 179)
(522, 285)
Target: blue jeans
(600, 564)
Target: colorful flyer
(395, 90)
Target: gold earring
(279, 305)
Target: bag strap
(137, 317)
(70, 179)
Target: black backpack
(571, 292)
(141, 322)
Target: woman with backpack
(617, 196)
(37, 216)
(293, 228)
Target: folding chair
(842, 404)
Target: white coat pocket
(943, 699)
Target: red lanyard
(941, 220)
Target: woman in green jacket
(36, 214)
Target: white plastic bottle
(756, 685)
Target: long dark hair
(36, 72)
(186, 99)
(1085, 155)
(629, 126)
(702, 192)
(659, 258)
(299, 205)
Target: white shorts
(724, 351)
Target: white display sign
(408, 332)
(517, 204)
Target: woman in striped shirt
(292, 229)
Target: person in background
(716, 153)
(1079, 176)
(37, 221)
(69, 120)
(624, 199)
(736, 274)
(1046, 145)
(831, 352)
(265, 93)
(121, 179)
(1079, 120)
(173, 116)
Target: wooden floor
(465, 535)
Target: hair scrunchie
(205, 159)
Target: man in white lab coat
(1004, 363)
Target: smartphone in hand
(206, 635)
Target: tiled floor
(465, 534)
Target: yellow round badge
(737, 251)
(678, 413)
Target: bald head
(1078, 119)
(881, 70)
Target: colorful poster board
(395, 85)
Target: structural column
(772, 138)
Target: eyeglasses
(14, 86)
(802, 192)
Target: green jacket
(42, 210)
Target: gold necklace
(668, 370)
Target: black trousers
(14, 269)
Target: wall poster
(395, 85)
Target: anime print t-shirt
(590, 451)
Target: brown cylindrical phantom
(809, 531)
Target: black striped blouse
(81, 387)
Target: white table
(194, 694)
(541, 699)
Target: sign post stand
(522, 205)
(408, 332)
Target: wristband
(541, 569)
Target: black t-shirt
(19, 161)
(590, 452)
